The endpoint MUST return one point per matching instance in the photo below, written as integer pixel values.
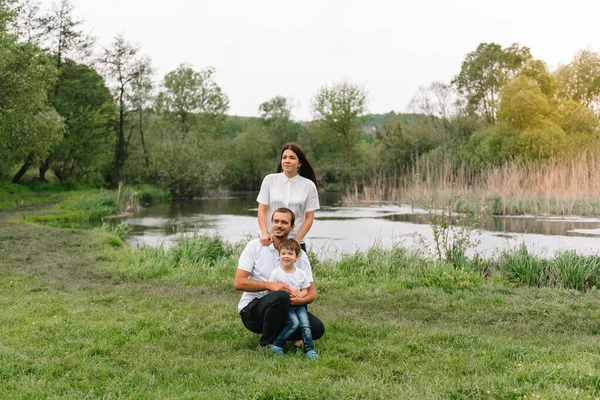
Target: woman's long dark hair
(306, 170)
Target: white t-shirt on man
(260, 261)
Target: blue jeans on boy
(297, 317)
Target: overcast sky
(264, 48)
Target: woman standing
(293, 186)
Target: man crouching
(264, 305)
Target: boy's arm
(309, 298)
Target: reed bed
(555, 186)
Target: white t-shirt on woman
(298, 194)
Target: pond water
(338, 229)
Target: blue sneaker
(311, 354)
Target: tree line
(72, 111)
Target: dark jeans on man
(268, 316)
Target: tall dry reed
(555, 186)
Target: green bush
(199, 250)
(191, 257)
(567, 270)
(93, 206)
(575, 271)
(519, 266)
(148, 194)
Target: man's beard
(282, 235)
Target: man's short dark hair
(285, 211)
(290, 244)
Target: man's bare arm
(241, 282)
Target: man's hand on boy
(275, 286)
(297, 301)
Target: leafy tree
(337, 107)
(484, 72)
(523, 104)
(437, 100)
(502, 142)
(577, 118)
(495, 144)
(192, 165)
(86, 104)
(441, 103)
(423, 131)
(276, 116)
(538, 71)
(234, 125)
(247, 164)
(125, 69)
(580, 79)
(198, 105)
(277, 108)
(186, 92)
(543, 141)
(142, 98)
(179, 168)
(8, 14)
(28, 24)
(397, 146)
(29, 126)
(60, 35)
(327, 153)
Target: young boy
(289, 253)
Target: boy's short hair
(290, 244)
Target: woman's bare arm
(309, 217)
(265, 237)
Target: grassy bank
(555, 186)
(57, 204)
(86, 317)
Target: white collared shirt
(298, 194)
(260, 261)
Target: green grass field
(84, 316)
